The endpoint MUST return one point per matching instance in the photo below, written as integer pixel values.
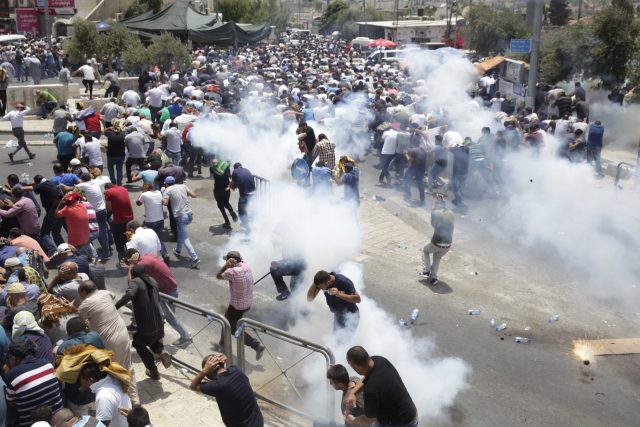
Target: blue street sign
(520, 45)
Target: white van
(390, 55)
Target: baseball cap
(63, 248)
(12, 262)
(16, 288)
(233, 254)
(169, 180)
(74, 162)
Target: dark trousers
(222, 200)
(285, 267)
(119, 238)
(196, 155)
(64, 160)
(112, 91)
(88, 86)
(154, 114)
(417, 175)
(243, 210)
(146, 352)
(22, 144)
(173, 226)
(3, 101)
(385, 162)
(139, 161)
(233, 315)
(114, 165)
(50, 232)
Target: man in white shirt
(153, 214)
(94, 195)
(88, 77)
(93, 151)
(154, 96)
(111, 110)
(109, 395)
(173, 143)
(131, 98)
(17, 119)
(144, 240)
(389, 145)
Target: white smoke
(326, 231)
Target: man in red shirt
(119, 204)
(93, 123)
(155, 267)
(77, 218)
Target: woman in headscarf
(147, 340)
(25, 325)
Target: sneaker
(433, 281)
(11, 157)
(154, 375)
(166, 260)
(165, 358)
(234, 217)
(260, 351)
(32, 156)
(176, 252)
(283, 296)
(425, 273)
(132, 328)
(227, 225)
(195, 263)
(182, 342)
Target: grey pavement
(538, 384)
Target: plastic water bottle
(554, 318)
(473, 311)
(402, 323)
(522, 340)
(239, 330)
(414, 316)
(492, 323)
(210, 318)
(24, 178)
(501, 327)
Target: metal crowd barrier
(211, 317)
(262, 186)
(619, 169)
(283, 336)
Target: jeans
(22, 144)
(132, 161)
(114, 165)
(158, 226)
(175, 157)
(346, 321)
(417, 174)
(385, 162)
(182, 222)
(243, 208)
(288, 267)
(434, 176)
(437, 252)
(593, 154)
(169, 311)
(119, 238)
(457, 181)
(103, 237)
(50, 231)
(233, 315)
(87, 250)
(47, 107)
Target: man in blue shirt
(59, 177)
(64, 143)
(242, 179)
(594, 145)
(351, 182)
(342, 298)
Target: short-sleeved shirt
(179, 199)
(419, 157)
(442, 221)
(120, 204)
(77, 219)
(152, 202)
(68, 179)
(110, 397)
(115, 143)
(94, 152)
(49, 194)
(177, 172)
(385, 396)
(64, 141)
(93, 193)
(243, 179)
(155, 267)
(337, 305)
(148, 176)
(236, 401)
(146, 241)
(240, 279)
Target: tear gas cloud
(326, 231)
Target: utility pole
(47, 28)
(364, 18)
(579, 9)
(538, 9)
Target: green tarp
(183, 20)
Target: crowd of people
(66, 347)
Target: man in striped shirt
(30, 382)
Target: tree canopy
(255, 11)
(488, 31)
(339, 16)
(559, 12)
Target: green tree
(168, 52)
(331, 14)
(137, 57)
(488, 31)
(269, 11)
(84, 43)
(617, 34)
(234, 10)
(340, 17)
(559, 12)
(117, 40)
(565, 52)
(138, 7)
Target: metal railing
(261, 328)
(619, 169)
(262, 186)
(211, 317)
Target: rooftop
(407, 23)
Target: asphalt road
(538, 384)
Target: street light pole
(47, 29)
(538, 9)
